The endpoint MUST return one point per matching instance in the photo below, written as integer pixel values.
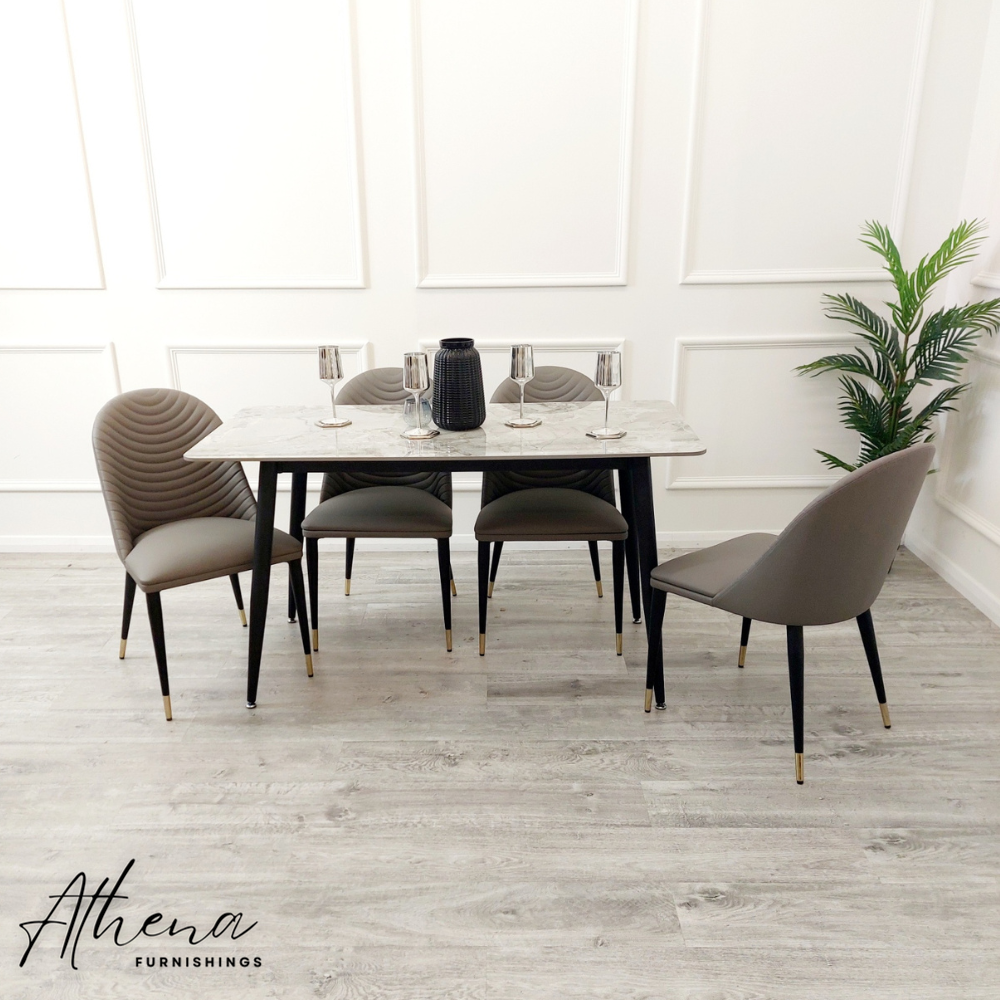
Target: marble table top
(289, 433)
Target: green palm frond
(878, 377)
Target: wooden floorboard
(417, 824)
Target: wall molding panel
(173, 275)
(684, 347)
(617, 274)
(691, 273)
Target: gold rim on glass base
(607, 433)
(420, 433)
(521, 422)
(340, 422)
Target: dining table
(287, 439)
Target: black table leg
(627, 493)
(295, 518)
(263, 542)
(645, 528)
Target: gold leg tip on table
(121, 649)
(309, 665)
(347, 587)
(600, 588)
(743, 657)
(482, 643)
(649, 700)
(884, 709)
(618, 643)
(447, 638)
(454, 589)
(315, 639)
(489, 589)
(800, 776)
(243, 616)
(167, 710)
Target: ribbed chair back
(140, 438)
(551, 384)
(381, 387)
(830, 563)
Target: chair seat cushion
(707, 572)
(380, 512)
(550, 514)
(200, 548)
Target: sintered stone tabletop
(289, 433)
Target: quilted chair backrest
(139, 441)
(551, 384)
(381, 387)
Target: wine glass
(607, 378)
(331, 371)
(522, 371)
(416, 379)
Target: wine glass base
(607, 433)
(339, 422)
(521, 422)
(420, 433)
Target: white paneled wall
(218, 187)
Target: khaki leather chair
(827, 566)
(176, 522)
(360, 504)
(539, 504)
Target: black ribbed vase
(459, 402)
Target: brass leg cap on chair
(489, 589)
(600, 589)
(166, 708)
(447, 638)
(347, 587)
(315, 638)
(884, 709)
(743, 657)
(482, 643)
(618, 643)
(649, 699)
(121, 649)
(454, 589)
(309, 665)
(243, 616)
(800, 775)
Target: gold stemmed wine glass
(331, 371)
(416, 379)
(608, 377)
(522, 371)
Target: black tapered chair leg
(744, 639)
(484, 577)
(234, 579)
(155, 611)
(618, 576)
(301, 613)
(654, 657)
(444, 568)
(126, 614)
(312, 571)
(867, 629)
(451, 574)
(632, 567)
(595, 560)
(348, 565)
(796, 684)
(494, 566)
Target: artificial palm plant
(879, 376)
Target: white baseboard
(56, 543)
(966, 584)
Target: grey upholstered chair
(827, 566)
(359, 504)
(540, 504)
(176, 522)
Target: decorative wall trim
(360, 349)
(900, 192)
(987, 279)
(166, 280)
(618, 276)
(761, 342)
(98, 258)
(56, 485)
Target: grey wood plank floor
(417, 824)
